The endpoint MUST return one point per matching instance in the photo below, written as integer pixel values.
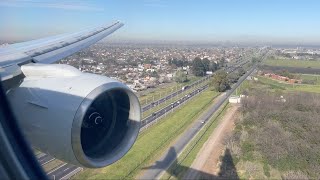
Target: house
(170, 75)
(147, 66)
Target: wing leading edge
(49, 50)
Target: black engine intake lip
(128, 140)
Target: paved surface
(211, 150)
(158, 114)
(154, 173)
(64, 171)
(168, 97)
(45, 159)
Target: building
(234, 99)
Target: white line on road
(65, 169)
(48, 161)
(56, 168)
(72, 173)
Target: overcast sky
(280, 21)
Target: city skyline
(263, 22)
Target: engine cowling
(80, 118)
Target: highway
(45, 159)
(168, 97)
(64, 171)
(158, 114)
(154, 173)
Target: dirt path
(208, 156)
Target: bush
(220, 81)
(285, 134)
(180, 76)
(309, 81)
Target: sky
(242, 21)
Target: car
(185, 87)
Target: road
(158, 114)
(208, 156)
(184, 139)
(45, 159)
(64, 171)
(168, 97)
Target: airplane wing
(49, 50)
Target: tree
(255, 60)
(233, 78)
(213, 66)
(206, 64)
(154, 74)
(180, 76)
(220, 81)
(222, 62)
(198, 68)
(241, 71)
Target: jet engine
(80, 118)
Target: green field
(153, 141)
(292, 63)
(189, 154)
(309, 77)
(243, 86)
(279, 85)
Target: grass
(36, 152)
(153, 141)
(274, 84)
(165, 90)
(309, 77)
(246, 84)
(191, 79)
(292, 63)
(189, 154)
(158, 93)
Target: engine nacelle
(84, 119)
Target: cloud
(154, 3)
(78, 5)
